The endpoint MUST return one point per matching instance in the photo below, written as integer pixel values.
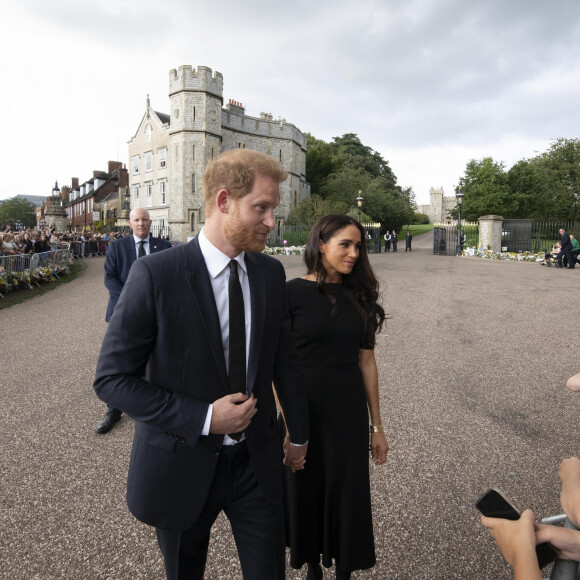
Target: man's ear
(222, 200)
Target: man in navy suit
(167, 361)
(565, 250)
(120, 257)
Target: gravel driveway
(472, 368)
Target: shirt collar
(215, 260)
(138, 240)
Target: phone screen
(494, 504)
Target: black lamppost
(459, 196)
(127, 199)
(359, 201)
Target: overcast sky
(429, 84)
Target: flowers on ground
(284, 251)
(513, 256)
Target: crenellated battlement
(186, 78)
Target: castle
(439, 206)
(169, 152)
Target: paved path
(472, 396)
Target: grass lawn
(20, 296)
(414, 230)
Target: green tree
(560, 166)
(486, 190)
(320, 162)
(528, 190)
(18, 209)
(313, 208)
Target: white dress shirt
(217, 265)
(145, 245)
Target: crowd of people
(33, 241)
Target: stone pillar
(490, 232)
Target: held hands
(232, 413)
(379, 448)
(294, 455)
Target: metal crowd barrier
(17, 263)
(33, 262)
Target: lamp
(359, 202)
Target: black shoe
(314, 572)
(109, 421)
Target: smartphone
(494, 504)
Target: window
(194, 114)
(280, 154)
(162, 189)
(148, 134)
(148, 193)
(148, 161)
(193, 152)
(162, 157)
(136, 192)
(193, 183)
(135, 164)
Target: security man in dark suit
(120, 257)
(198, 336)
(565, 250)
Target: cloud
(429, 84)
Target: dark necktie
(237, 362)
(142, 249)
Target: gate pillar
(490, 232)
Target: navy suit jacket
(162, 362)
(120, 257)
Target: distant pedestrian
(565, 250)
(388, 241)
(394, 240)
(408, 239)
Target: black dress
(328, 505)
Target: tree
(560, 166)
(320, 162)
(18, 209)
(528, 189)
(310, 210)
(486, 190)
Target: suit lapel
(199, 283)
(258, 293)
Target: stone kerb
(490, 227)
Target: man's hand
(294, 455)
(517, 542)
(565, 540)
(569, 473)
(232, 413)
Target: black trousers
(258, 527)
(570, 262)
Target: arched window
(148, 134)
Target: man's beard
(241, 237)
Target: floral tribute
(513, 256)
(12, 281)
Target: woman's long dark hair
(361, 285)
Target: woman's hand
(379, 448)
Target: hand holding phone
(494, 504)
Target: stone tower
(196, 99)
